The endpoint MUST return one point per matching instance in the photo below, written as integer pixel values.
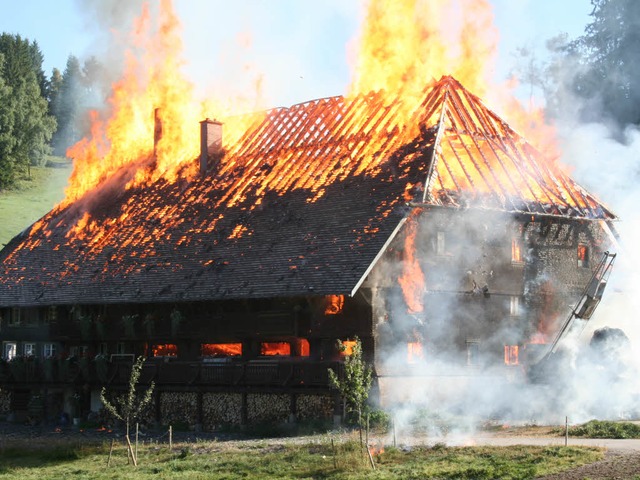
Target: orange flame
(164, 350)
(511, 355)
(538, 338)
(407, 44)
(123, 136)
(348, 346)
(415, 352)
(412, 280)
(303, 349)
(376, 450)
(221, 349)
(334, 304)
(275, 348)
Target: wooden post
(137, 430)
(373, 465)
(335, 460)
(393, 427)
(367, 432)
(135, 461)
(566, 431)
(113, 440)
(170, 438)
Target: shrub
(606, 429)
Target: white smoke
(445, 397)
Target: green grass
(265, 460)
(605, 429)
(32, 198)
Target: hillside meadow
(32, 198)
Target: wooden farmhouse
(451, 245)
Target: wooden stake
(170, 438)
(566, 431)
(393, 427)
(373, 465)
(113, 440)
(367, 432)
(335, 460)
(129, 461)
(135, 461)
(136, 440)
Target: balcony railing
(287, 372)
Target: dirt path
(622, 459)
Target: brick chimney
(210, 142)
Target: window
(473, 352)
(78, 351)
(440, 243)
(221, 349)
(514, 306)
(164, 350)
(511, 354)
(14, 317)
(275, 348)
(348, 348)
(51, 315)
(516, 250)
(29, 349)
(30, 317)
(10, 350)
(49, 350)
(583, 256)
(303, 349)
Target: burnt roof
(300, 205)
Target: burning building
(446, 237)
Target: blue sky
(300, 47)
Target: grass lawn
(290, 460)
(31, 199)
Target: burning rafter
(302, 203)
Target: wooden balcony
(167, 373)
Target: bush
(380, 420)
(606, 429)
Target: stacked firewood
(268, 407)
(178, 408)
(314, 407)
(5, 401)
(221, 409)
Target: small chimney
(157, 131)
(210, 142)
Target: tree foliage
(127, 407)
(25, 125)
(73, 93)
(355, 384)
(605, 63)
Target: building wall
(494, 284)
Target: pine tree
(24, 120)
(609, 53)
(67, 107)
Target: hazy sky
(300, 47)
